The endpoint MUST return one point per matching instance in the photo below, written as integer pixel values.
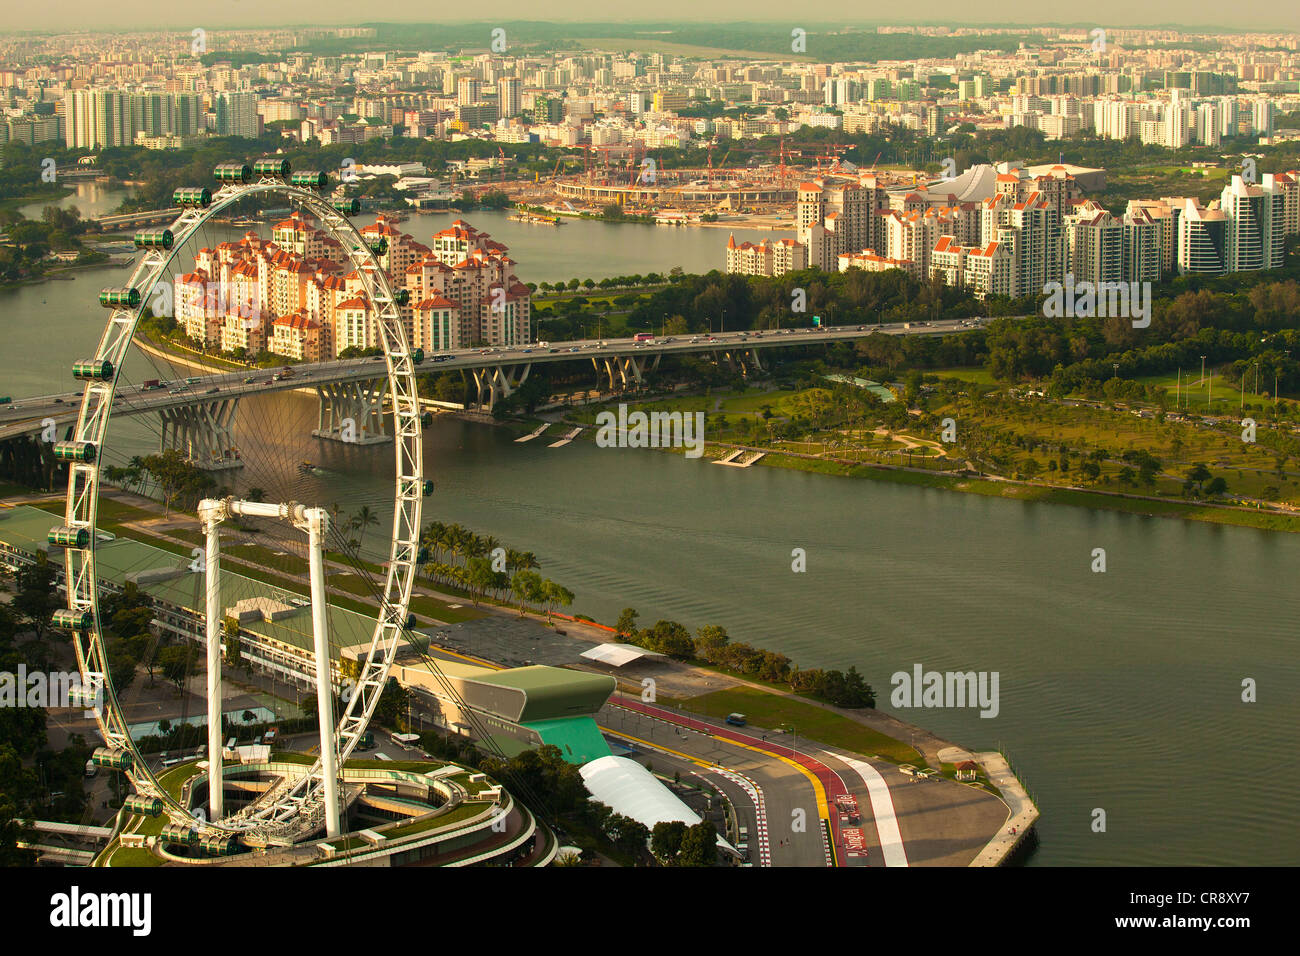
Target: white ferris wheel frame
(295, 805)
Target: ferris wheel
(266, 447)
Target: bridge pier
(202, 433)
(496, 382)
(625, 370)
(352, 412)
(744, 359)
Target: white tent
(617, 654)
(630, 789)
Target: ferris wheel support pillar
(317, 522)
(211, 513)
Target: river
(1120, 691)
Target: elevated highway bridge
(197, 414)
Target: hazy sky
(71, 15)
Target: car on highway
(212, 391)
(248, 381)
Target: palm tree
(365, 518)
(432, 537)
(555, 594)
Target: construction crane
(832, 157)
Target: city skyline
(135, 15)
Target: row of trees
(30, 242)
(614, 282)
(35, 780)
(712, 645)
(456, 556)
(179, 482)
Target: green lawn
(456, 814)
(978, 376)
(1224, 395)
(772, 711)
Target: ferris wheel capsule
(119, 298)
(233, 173)
(310, 179)
(196, 196)
(93, 370)
(179, 834)
(82, 451)
(65, 537)
(279, 168)
(142, 805)
(113, 758)
(154, 239)
(66, 619)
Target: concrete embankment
(1020, 825)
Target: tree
(699, 846)
(177, 665)
(35, 598)
(626, 625)
(12, 832)
(671, 638)
(709, 642)
(365, 518)
(1198, 474)
(233, 645)
(627, 834)
(480, 577)
(179, 482)
(527, 588)
(666, 841)
(555, 594)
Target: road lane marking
(882, 808)
(819, 790)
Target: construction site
(761, 195)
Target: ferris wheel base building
(397, 814)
